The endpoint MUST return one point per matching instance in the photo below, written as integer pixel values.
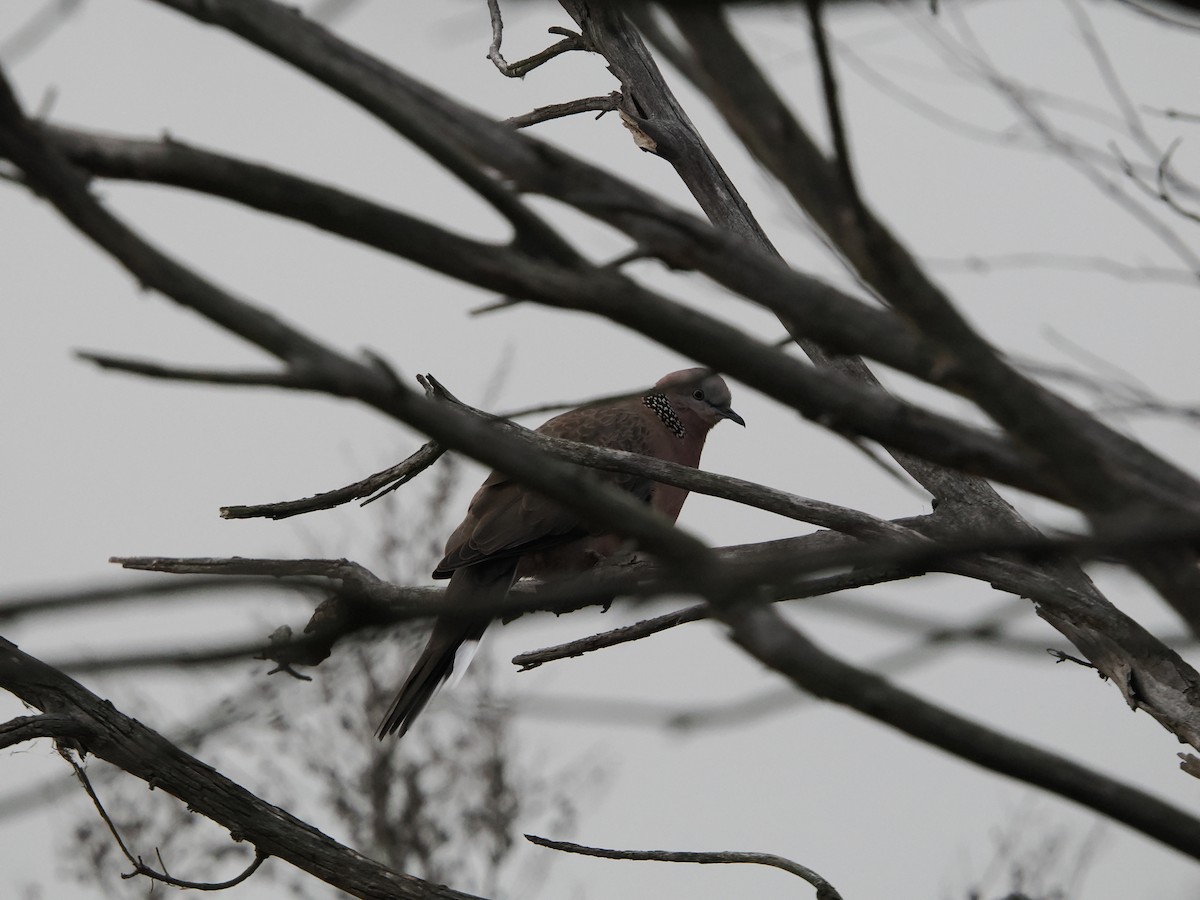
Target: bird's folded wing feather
(508, 519)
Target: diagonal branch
(732, 81)
(737, 490)
(251, 378)
(828, 400)
(371, 487)
(728, 76)
(15, 606)
(66, 187)
(775, 642)
(1149, 675)
(139, 867)
(812, 587)
(833, 107)
(143, 753)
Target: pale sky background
(99, 465)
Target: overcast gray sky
(99, 465)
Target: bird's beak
(727, 413)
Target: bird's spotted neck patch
(662, 407)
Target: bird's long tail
(473, 585)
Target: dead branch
(140, 867)
(825, 890)
(372, 487)
(602, 105)
(571, 41)
(775, 642)
(128, 744)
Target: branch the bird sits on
(511, 532)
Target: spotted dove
(511, 532)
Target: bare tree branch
(143, 753)
(828, 400)
(372, 487)
(28, 728)
(571, 41)
(291, 378)
(813, 587)
(748, 102)
(1161, 189)
(139, 867)
(825, 890)
(15, 606)
(833, 108)
(768, 128)
(602, 105)
(65, 186)
(1140, 506)
(842, 321)
(1149, 675)
(775, 642)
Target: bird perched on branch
(511, 532)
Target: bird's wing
(508, 519)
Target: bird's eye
(699, 395)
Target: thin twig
(237, 565)
(1130, 114)
(1172, 113)
(983, 265)
(605, 104)
(143, 869)
(372, 487)
(139, 867)
(505, 302)
(53, 600)
(1159, 190)
(833, 110)
(1061, 656)
(291, 378)
(825, 890)
(741, 711)
(646, 627)
(1163, 178)
(570, 41)
(1054, 139)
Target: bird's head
(700, 392)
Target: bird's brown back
(508, 519)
